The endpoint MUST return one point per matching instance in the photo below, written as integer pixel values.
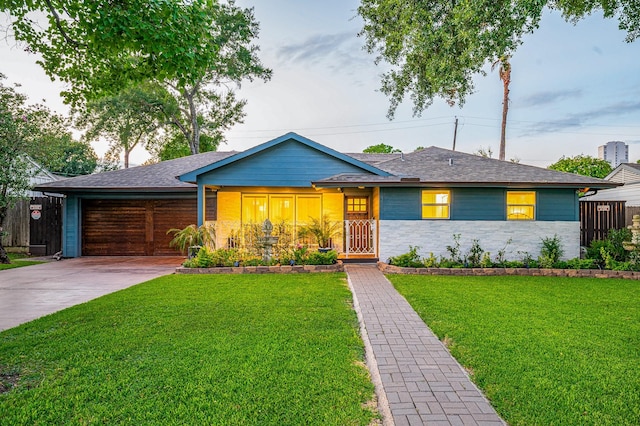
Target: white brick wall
(434, 236)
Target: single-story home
(385, 203)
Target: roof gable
(290, 160)
(625, 173)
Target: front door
(359, 235)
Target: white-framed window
(521, 205)
(436, 203)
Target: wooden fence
(35, 225)
(598, 217)
(16, 226)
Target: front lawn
(18, 260)
(223, 349)
(546, 351)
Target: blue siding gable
(301, 158)
(287, 164)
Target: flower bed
(285, 269)
(588, 273)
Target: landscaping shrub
(610, 248)
(551, 252)
(408, 260)
(322, 258)
(207, 258)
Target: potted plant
(192, 238)
(322, 230)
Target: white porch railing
(360, 237)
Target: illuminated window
(435, 204)
(254, 208)
(521, 205)
(281, 208)
(357, 204)
(307, 207)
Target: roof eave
(423, 184)
(115, 189)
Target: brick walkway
(417, 380)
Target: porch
(356, 239)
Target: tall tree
(203, 111)
(15, 169)
(583, 165)
(128, 119)
(53, 146)
(504, 71)
(436, 48)
(100, 48)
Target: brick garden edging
(295, 269)
(584, 273)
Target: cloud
(340, 50)
(315, 47)
(576, 120)
(544, 98)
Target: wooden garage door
(133, 227)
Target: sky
(573, 88)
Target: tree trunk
(4, 258)
(505, 76)
(194, 142)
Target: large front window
(286, 208)
(435, 203)
(521, 205)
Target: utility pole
(455, 134)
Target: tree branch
(59, 26)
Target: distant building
(615, 153)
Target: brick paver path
(417, 380)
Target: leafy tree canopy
(130, 118)
(101, 47)
(435, 48)
(16, 125)
(380, 149)
(583, 165)
(52, 145)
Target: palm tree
(505, 75)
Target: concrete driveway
(33, 291)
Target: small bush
(455, 256)
(407, 260)
(475, 255)
(322, 258)
(612, 246)
(431, 261)
(551, 252)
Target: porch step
(360, 260)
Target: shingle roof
(435, 166)
(154, 177)
(430, 166)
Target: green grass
(223, 349)
(18, 260)
(546, 351)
